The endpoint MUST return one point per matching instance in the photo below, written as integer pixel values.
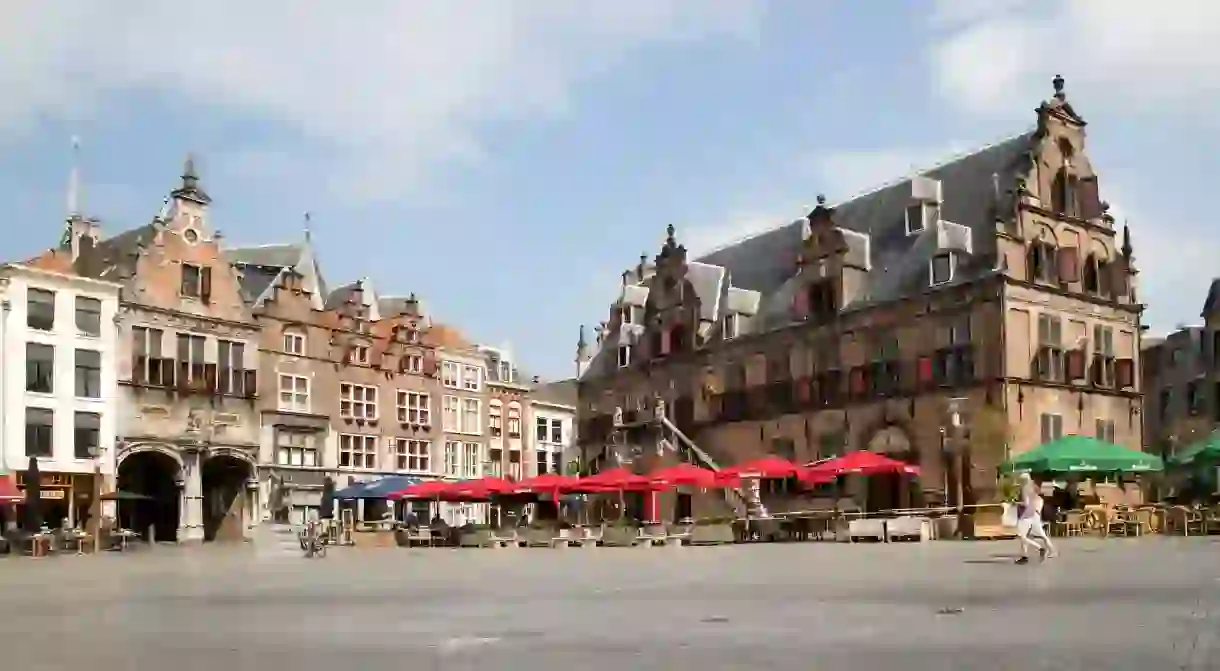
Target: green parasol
(1206, 450)
(1082, 454)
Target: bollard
(152, 536)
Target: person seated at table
(411, 520)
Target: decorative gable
(671, 312)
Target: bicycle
(313, 542)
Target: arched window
(1090, 274)
(1063, 193)
(1042, 262)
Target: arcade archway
(154, 474)
(890, 490)
(224, 479)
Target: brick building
(992, 288)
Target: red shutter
(205, 284)
(1124, 372)
(1069, 264)
(804, 393)
(800, 302)
(858, 380)
(1075, 365)
(925, 370)
(429, 368)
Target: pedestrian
(1030, 531)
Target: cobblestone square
(1117, 604)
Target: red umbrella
(685, 475)
(8, 490)
(428, 489)
(767, 467)
(547, 483)
(861, 462)
(615, 479)
(480, 490)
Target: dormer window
(920, 216)
(730, 326)
(629, 314)
(624, 356)
(360, 354)
(943, 268)
(1042, 262)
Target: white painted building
(552, 424)
(58, 383)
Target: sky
(506, 160)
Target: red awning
(615, 479)
(767, 467)
(547, 483)
(429, 489)
(8, 490)
(685, 475)
(861, 462)
(481, 489)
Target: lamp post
(954, 444)
(94, 527)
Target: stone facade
(990, 288)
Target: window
(541, 429)
(514, 465)
(449, 374)
(943, 267)
(230, 365)
(1103, 356)
(472, 378)
(494, 419)
(39, 432)
(294, 448)
(294, 393)
(39, 368)
(730, 325)
(357, 401)
(1105, 430)
(196, 281)
(542, 461)
(86, 435)
(414, 408)
(452, 454)
(1050, 348)
(471, 460)
(1042, 264)
(412, 363)
(360, 354)
(514, 421)
(495, 463)
(357, 451)
(557, 462)
(506, 371)
(412, 455)
(88, 373)
(294, 343)
(450, 414)
(624, 356)
(626, 314)
(148, 366)
(89, 316)
(1052, 427)
(557, 432)
(472, 421)
(40, 309)
(190, 357)
(921, 215)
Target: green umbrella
(1206, 450)
(1082, 454)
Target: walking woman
(1030, 531)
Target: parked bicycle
(313, 540)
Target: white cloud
(386, 89)
(1130, 52)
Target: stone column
(190, 525)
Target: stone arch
(227, 501)
(890, 438)
(895, 440)
(154, 471)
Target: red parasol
(547, 483)
(8, 490)
(428, 489)
(686, 475)
(861, 462)
(767, 467)
(481, 489)
(615, 479)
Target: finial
(1057, 82)
(308, 232)
(580, 342)
(190, 179)
(669, 235)
(821, 200)
(74, 180)
(1127, 250)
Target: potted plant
(621, 533)
(475, 536)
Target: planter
(480, 538)
(712, 534)
(620, 537)
(538, 538)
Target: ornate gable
(671, 313)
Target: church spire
(190, 189)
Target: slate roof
(756, 277)
(560, 392)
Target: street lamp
(94, 527)
(954, 445)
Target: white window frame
(513, 422)
(348, 403)
(451, 375)
(1050, 426)
(412, 455)
(414, 363)
(361, 354)
(358, 444)
(294, 455)
(472, 377)
(451, 414)
(1105, 429)
(731, 324)
(624, 356)
(556, 425)
(627, 314)
(952, 260)
(495, 419)
(928, 211)
(477, 428)
(471, 468)
(414, 407)
(297, 400)
(453, 456)
(294, 342)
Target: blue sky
(507, 160)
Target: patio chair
(1070, 523)
(1181, 520)
(1139, 521)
